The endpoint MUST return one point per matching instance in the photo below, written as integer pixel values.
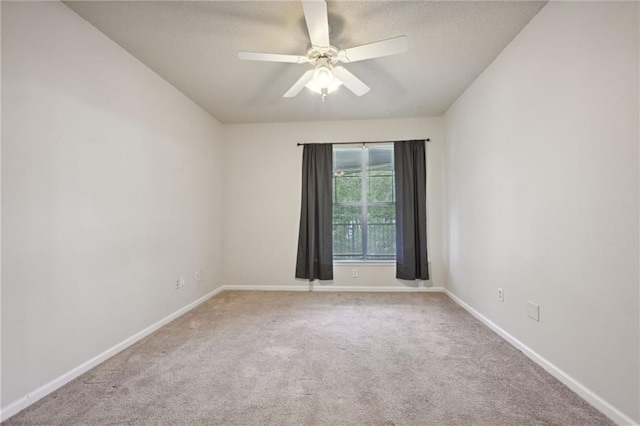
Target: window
(364, 204)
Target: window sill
(364, 262)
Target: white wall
(262, 175)
(111, 186)
(542, 193)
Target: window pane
(381, 232)
(380, 184)
(347, 189)
(348, 159)
(347, 232)
(380, 189)
(347, 172)
(381, 161)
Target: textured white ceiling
(193, 45)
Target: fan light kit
(325, 77)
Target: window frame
(364, 204)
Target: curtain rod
(357, 143)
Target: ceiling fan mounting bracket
(316, 54)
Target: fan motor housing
(322, 55)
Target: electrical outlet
(198, 275)
(500, 294)
(177, 283)
(533, 310)
(354, 273)
(182, 281)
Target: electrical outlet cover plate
(533, 310)
(500, 294)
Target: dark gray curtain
(411, 210)
(315, 245)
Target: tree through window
(364, 214)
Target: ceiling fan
(325, 76)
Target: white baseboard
(327, 288)
(379, 289)
(46, 389)
(588, 395)
(267, 287)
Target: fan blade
(272, 57)
(352, 82)
(297, 87)
(315, 14)
(378, 49)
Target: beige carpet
(297, 358)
